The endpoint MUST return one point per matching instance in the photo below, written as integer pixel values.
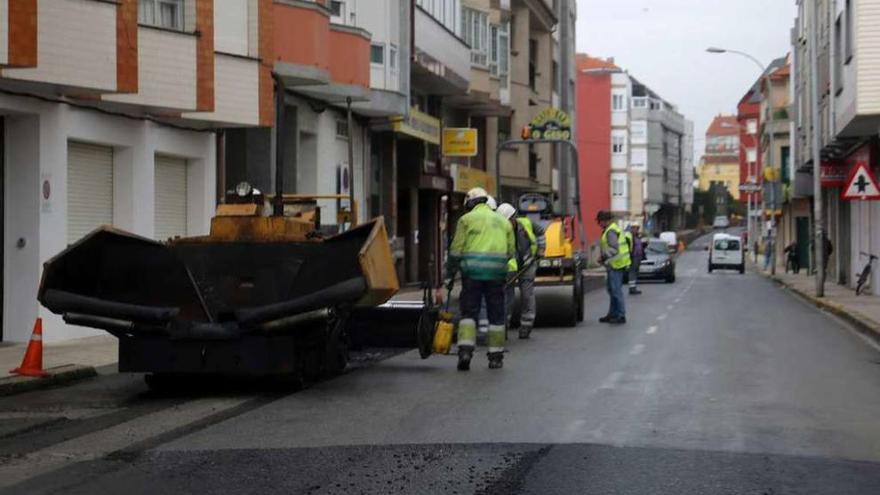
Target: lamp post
(769, 164)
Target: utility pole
(819, 244)
(566, 57)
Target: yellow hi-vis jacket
(615, 250)
(482, 246)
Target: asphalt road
(720, 383)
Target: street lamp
(769, 164)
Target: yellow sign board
(551, 123)
(460, 141)
(468, 178)
(418, 125)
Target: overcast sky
(663, 43)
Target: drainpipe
(278, 203)
(351, 207)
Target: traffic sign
(861, 184)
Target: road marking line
(652, 329)
(662, 317)
(611, 382)
(670, 306)
(677, 300)
(637, 349)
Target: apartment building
(533, 78)
(720, 164)
(659, 156)
(636, 150)
(109, 115)
(849, 109)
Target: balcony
(442, 61)
(76, 46)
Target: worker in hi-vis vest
(529, 246)
(481, 248)
(615, 256)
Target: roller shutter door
(170, 197)
(89, 188)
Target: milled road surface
(720, 383)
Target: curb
(866, 326)
(59, 375)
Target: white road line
(670, 306)
(662, 317)
(652, 329)
(610, 383)
(637, 349)
(677, 300)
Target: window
(342, 129)
(640, 102)
(377, 54)
(618, 102)
(161, 13)
(475, 31)
(493, 50)
(849, 31)
(752, 126)
(337, 8)
(503, 54)
(751, 155)
(618, 145)
(533, 64)
(392, 58)
(533, 165)
(618, 187)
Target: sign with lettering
(833, 174)
(551, 123)
(459, 141)
(418, 125)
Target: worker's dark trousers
(472, 294)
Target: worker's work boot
(464, 358)
(496, 360)
(525, 332)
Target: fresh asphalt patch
(483, 469)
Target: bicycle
(865, 275)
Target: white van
(671, 240)
(727, 252)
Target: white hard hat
(492, 203)
(476, 193)
(506, 210)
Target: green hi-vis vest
(530, 230)
(483, 244)
(621, 260)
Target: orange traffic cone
(32, 364)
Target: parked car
(659, 264)
(727, 252)
(721, 222)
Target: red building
(748, 118)
(593, 138)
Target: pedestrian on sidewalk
(792, 261)
(637, 255)
(481, 249)
(615, 257)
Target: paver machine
(259, 296)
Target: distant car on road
(727, 252)
(671, 240)
(659, 264)
(721, 222)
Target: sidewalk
(861, 311)
(64, 361)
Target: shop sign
(418, 125)
(551, 123)
(459, 141)
(749, 187)
(833, 174)
(467, 178)
(861, 184)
